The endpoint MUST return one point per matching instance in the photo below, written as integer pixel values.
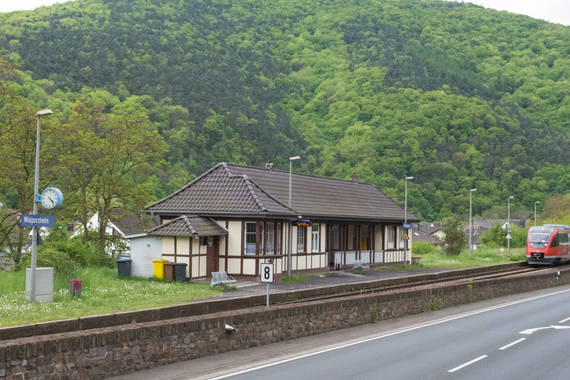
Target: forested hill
(456, 95)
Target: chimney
(353, 177)
(268, 166)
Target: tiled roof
(241, 190)
(189, 225)
(220, 191)
(326, 197)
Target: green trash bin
(169, 271)
(180, 272)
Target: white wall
(144, 249)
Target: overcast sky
(551, 10)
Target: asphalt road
(495, 339)
(484, 345)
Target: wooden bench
(221, 278)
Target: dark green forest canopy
(456, 95)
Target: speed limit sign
(266, 272)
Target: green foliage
(67, 256)
(479, 257)
(102, 293)
(496, 236)
(380, 89)
(423, 248)
(454, 237)
(294, 279)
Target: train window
(556, 241)
(563, 239)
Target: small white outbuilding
(144, 249)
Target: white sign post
(267, 277)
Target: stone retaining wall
(217, 305)
(110, 351)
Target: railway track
(441, 279)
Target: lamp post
(289, 258)
(470, 218)
(406, 217)
(535, 203)
(35, 212)
(509, 224)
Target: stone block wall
(114, 350)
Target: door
(212, 255)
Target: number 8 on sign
(266, 272)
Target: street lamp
(509, 225)
(535, 203)
(35, 212)
(290, 260)
(406, 217)
(470, 218)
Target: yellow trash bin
(158, 268)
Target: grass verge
(294, 279)
(103, 292)
(480, 257)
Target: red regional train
(548, 244)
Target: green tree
(454, 240)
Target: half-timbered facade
(232, 218)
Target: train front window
(539, 237)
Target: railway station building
(232, 218)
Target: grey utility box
(44, 284)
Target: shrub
(423, 248)
(496, 236)
(454, 236)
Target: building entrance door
(212, 255)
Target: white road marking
(564, 320)
(417, 327)
(512, 344)
(468, 363)
(555, 327)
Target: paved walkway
(249, 288)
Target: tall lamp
(535, 203)
(289, 258)
(509, 224)
(35, 212)
(470, 218)
(406, 217)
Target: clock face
(51, 198)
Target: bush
(496, 236)
(454, 236)
(423, 248)
(67, 255)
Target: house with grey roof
(232, 218)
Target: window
(270, 238)
(563, 239)
(315, 237)
(401, 241)
(364, 237)
(278, 227)
(301, 232)
(555, 241)
(351, 237)
(390, 237)
(250, 238)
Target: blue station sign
(407, 226)
(302, 223)
(31, 220)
